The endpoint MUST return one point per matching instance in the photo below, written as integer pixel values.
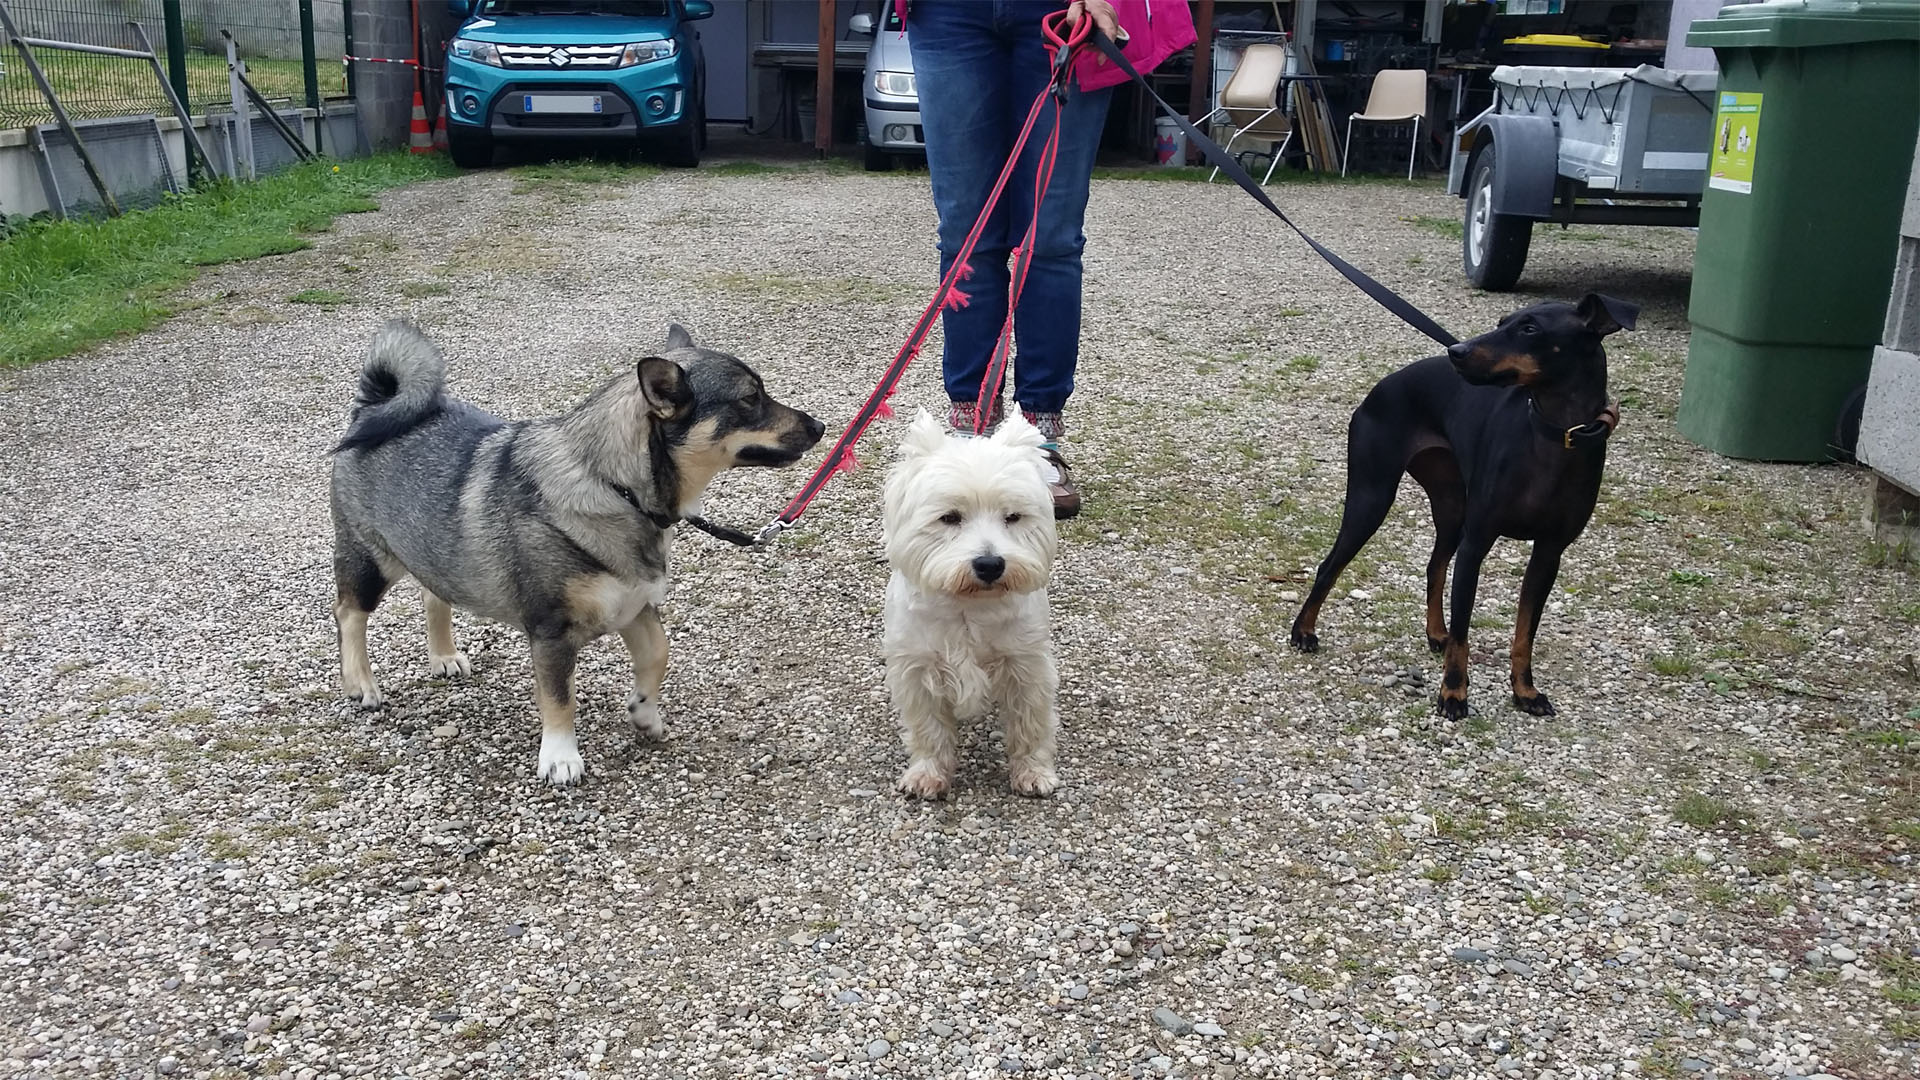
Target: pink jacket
(1156, 29)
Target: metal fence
(269, 35)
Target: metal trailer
(1596, 146)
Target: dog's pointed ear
(664, 385)
(1018, 431)
(1604, 314)
(923, 436)
(678, 338)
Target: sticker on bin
(560, 103)
(1736, 141)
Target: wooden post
(1200, 95)
(823, 81)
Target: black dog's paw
(1537, 705)
(1452, 708)
(1305, 642)
(1436, 645)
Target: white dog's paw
(449, 667)
(646, 718)
(926, 780)
(560, 763)
(1039, 781)
(366, 696)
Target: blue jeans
(978, 65)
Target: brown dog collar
(1597, 430)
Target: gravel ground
(1260, 864)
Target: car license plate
(560, 103)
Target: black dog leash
(667, 521)
(1386, 297)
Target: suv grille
(560, 56)
(616, 109)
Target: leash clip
(1064, 46)
(773, 528)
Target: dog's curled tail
(400, 387)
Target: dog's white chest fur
(970, 536)
(606, 603)
(962, 649)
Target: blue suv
(619, 71)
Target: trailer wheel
(1493, 246)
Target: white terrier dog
(970, 535)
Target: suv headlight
(480, 52)
(645, 52)
(894, 83)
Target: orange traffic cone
(419, 139)
(440, 131)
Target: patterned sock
(1052, 427)
(961, 417)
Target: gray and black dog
(558, 526)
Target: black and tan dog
(1508, 435)
(558, 526)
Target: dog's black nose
(813, 428)
(988, 568)
(1459, 351)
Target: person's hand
(1104, 20)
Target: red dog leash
(1061, 44)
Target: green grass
(580, 171)
(1445, 226)
(1903, 978)
(1703, 811)
(65, 285)
(1673, 664)
(91, 87)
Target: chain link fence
(267, 34)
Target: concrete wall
(1890, 425)
(22, 192)
(385, 91)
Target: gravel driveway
(1260, 864)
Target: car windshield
(632, 8)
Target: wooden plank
(1200, 93)
(823, 80)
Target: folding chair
(1398, 95)
(1252, 105)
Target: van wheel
(1493, 247)
(469, 149)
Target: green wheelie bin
(1815, 117)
